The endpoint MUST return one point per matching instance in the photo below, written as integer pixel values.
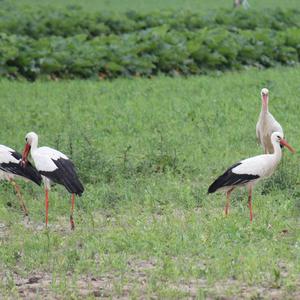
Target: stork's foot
(72, 222)
(26, 219)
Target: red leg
(18, 191)
(47, 205)
(71, 213)
(250, 203)
(228, 200)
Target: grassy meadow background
(147, 150)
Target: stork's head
(277, 137)
(264, 96)
(31, 139)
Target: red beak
(25, 154)
(286, 144)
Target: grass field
(147, 151)
(152, 5)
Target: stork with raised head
(10, 169)
(249, 171)
(55, 167)
(266, 124)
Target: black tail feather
(29, 171)
(73, 185)
(66, 175)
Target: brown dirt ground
(39, 286)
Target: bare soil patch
(43, 286)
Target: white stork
(55, 167)
(10, 168)
(266, 124)
(249, 171)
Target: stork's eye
(279, 137)
(26, 139)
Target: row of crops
(72, 43)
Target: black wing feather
(66, 175)
(29, 171)
(230, 179)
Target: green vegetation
(68, 22)
(147, 151)
(156, 5)
(74, 44)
